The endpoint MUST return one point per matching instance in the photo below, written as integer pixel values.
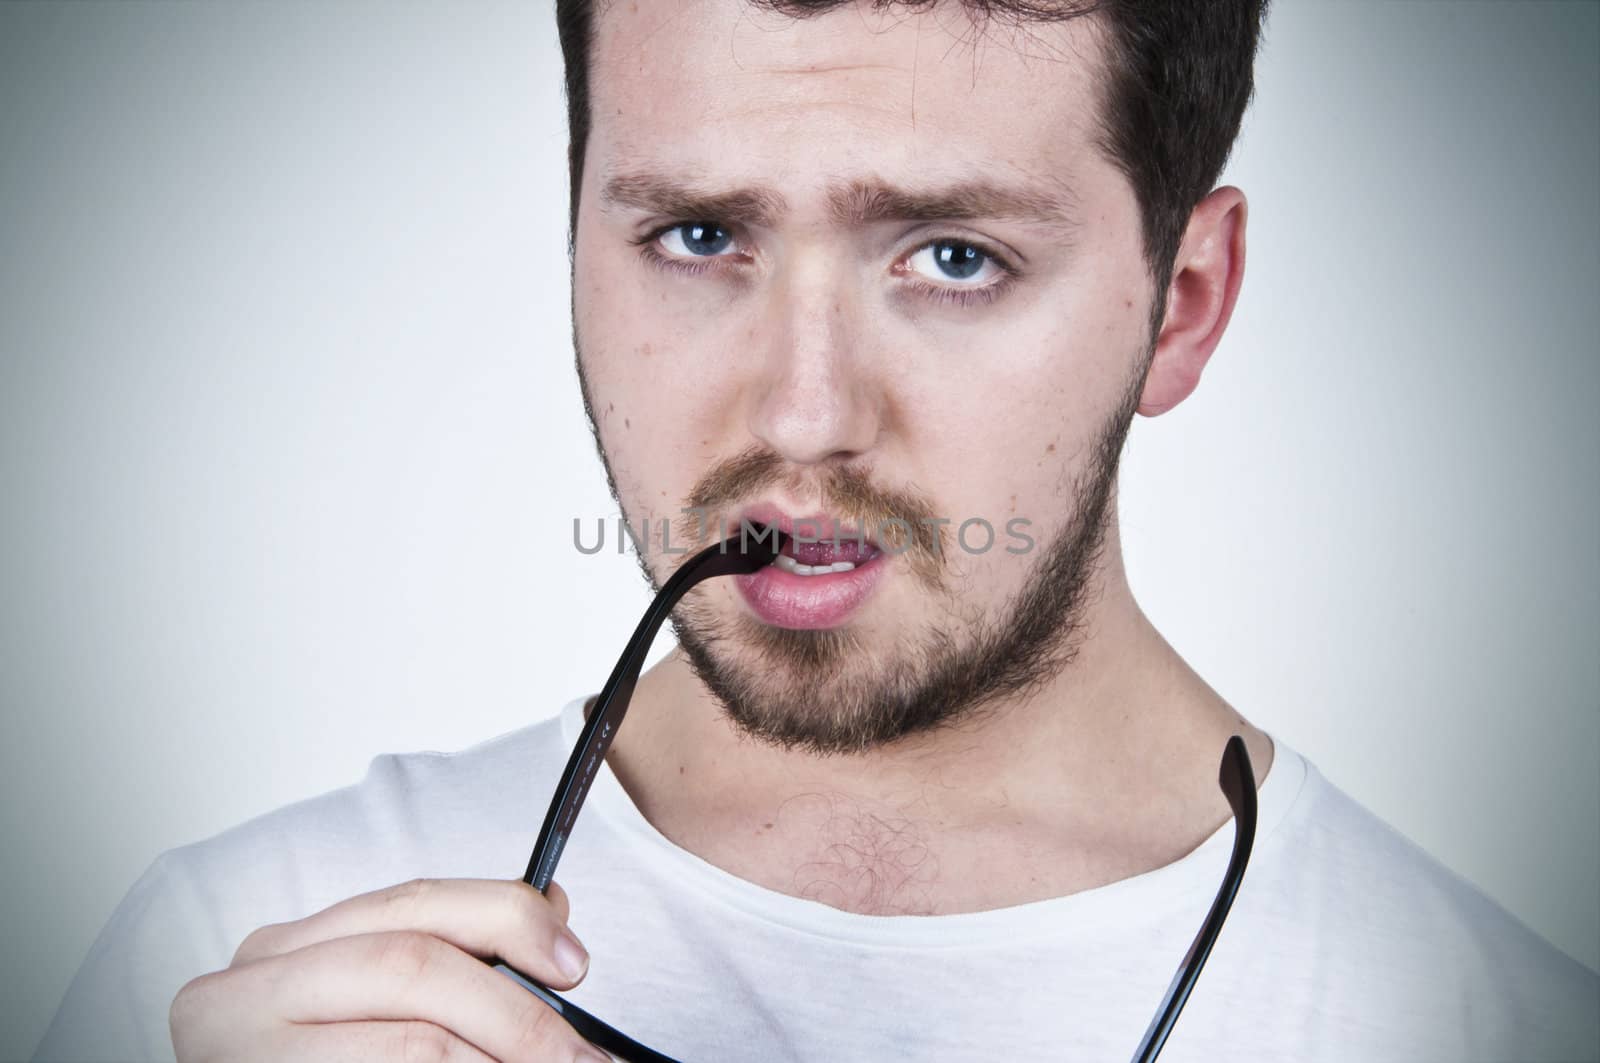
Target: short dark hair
(1179, 77)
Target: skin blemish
(627, 422)
(1051, 449)
(644, 350)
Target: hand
(394, 974)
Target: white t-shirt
(1346, 942)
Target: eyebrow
(660, 194)
(851, 203)
(862, 202)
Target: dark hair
(1179, 76)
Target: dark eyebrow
(659, 194)
(862, 202)
(851, 204)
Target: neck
(1107, 771)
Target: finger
(559, 900)
(359, 1042)
(407, 976)
(485, 917)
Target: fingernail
(589, 1054)
(571, 959)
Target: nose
(815, 396)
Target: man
(957, 799)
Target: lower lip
(786, 599)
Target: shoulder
(417, 814)
(1391, 928)
(466, 814)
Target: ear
(1205, 284)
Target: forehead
(726, 88)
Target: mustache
(845, 492)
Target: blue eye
(958, 261)
(700, 239)
(954, 260)
(963, 272)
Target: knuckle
(558, 900)
(190, 1008)
(408, 954)
(528, 905)
(538, 1029)
(408, 894)
(423, 1042)
(256, 943)
(184, 1005)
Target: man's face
(816, 345)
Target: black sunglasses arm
(744, 552)
(1238, 782)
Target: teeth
(789, 564)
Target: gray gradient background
(290, 443)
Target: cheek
(988, 516)
(648, 398)
(1013, 443)
(1001, 439)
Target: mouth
(822, 576)
(824, 557)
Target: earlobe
(1205, 285)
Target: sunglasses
(746, 552)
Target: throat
(867, 859)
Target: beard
(827, 691)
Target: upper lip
(815, 526)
